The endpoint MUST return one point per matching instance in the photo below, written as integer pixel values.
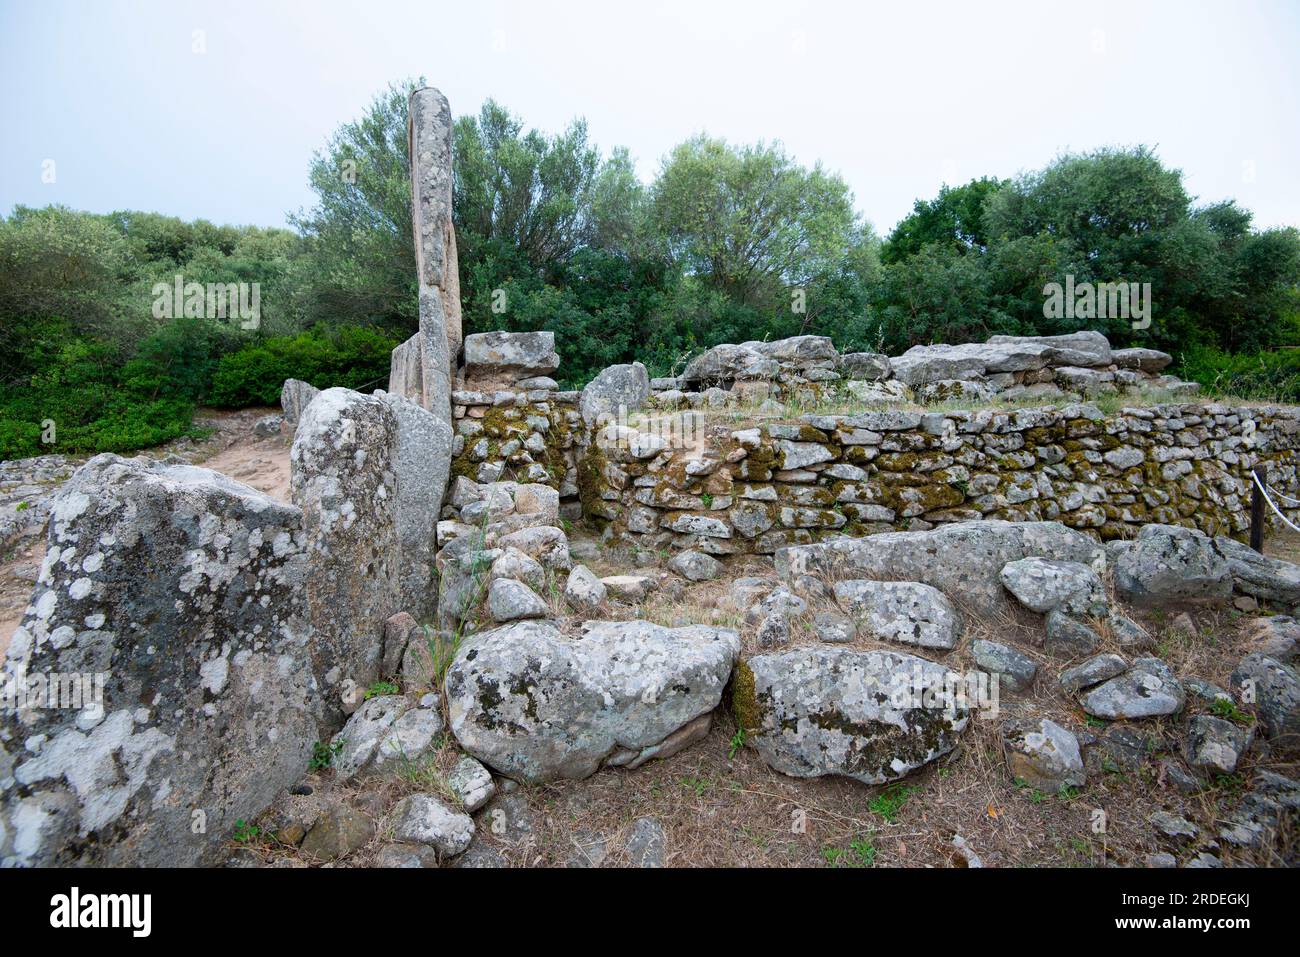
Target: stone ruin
(238, 638)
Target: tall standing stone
(422, 462)
(342, 476)
(439, 339)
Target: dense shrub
(1271, 376)
(353, 357)
(92, 405)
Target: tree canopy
(727, 242)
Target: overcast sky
(898, 97)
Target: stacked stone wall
(765, 485)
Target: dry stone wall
(785, 482)
(729, 468)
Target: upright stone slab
(406, 371)
(422, 463)
(621, 386)
(342, 476)
(181, 590)
(296, 395)
(439, 338)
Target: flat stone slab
(963, 559)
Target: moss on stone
(591, 479)
(744, 701)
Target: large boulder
(1088, 349)
(385, 733)
(583, 591)
(342, 477)
(884, 391)
(1148, 689)
(1266, 578)
(865, 366)
(799, 350)
(1041, 754)
(170, 606)
(728, 362)
(1275, 690)
(510, 600)
(1169, 563)
(872, 716)
(1014, 670)
(1042, 585)
(1215, 745)
(423, 819)
(493, 355)
(759, 360)
(617, 389)
(422, 463)
(539, 705)
(922, 365)
(1144, 360)
(962, 559)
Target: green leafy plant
(890, 801)
(865, 851)
(861, 852)
(350, 356)
(737, 742)
(381, 689)
(1227, 708)
(322, 754)
(698, 785)
(246, 833)
(1034, 794)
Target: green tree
(358, 265)
(955, 216)
(529, 190)
(750, 220)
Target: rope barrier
(1286, 499)
(1271, 504)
